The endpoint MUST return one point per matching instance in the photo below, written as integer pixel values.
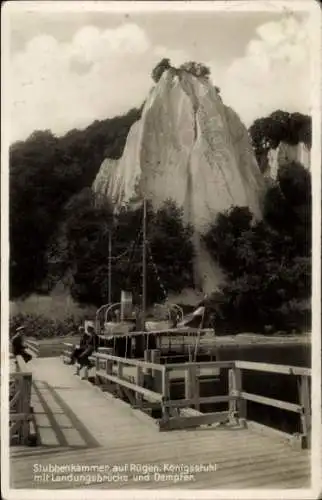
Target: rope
(161, 285)
(134, 245)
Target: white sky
(69, 69)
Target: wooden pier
(84, 425)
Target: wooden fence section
(20, 412)
(33, 347)
(146, 384)
(68, 349)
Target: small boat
(119, 327)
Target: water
(277, 386)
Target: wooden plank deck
(81, 425)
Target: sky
(67, 69)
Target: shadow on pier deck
(80, 424)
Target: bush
(40, 327)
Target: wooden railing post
(237, 407)
(120, 369)
(304, 400)
(109, 364)
(232, 402)
(192, 386)
(156, 374)
(139, 383)
(165, 393)
(97, 367)
(24, 407)
(147, 359)
(195, 387)
(187, 383)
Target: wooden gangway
(84, 425)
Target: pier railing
(147, 384)
(20, 411)
(303, 408)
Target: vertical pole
(144, 266)
(165, 393)
(304, 397)
(109, 267)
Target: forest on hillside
(58, 233)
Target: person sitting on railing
(82, 345)
(91, 345)
(18, 347)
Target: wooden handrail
(129, 361)
(20, 409)
(32, 346)
(129, 385)
(200, 364)
(271, 368)
(255, 398)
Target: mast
(144, 265)
(109, 267)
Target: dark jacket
(83, 341)
(93, 341)
(17, 345)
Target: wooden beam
(17, 417)
(187, 422)
(201, 364)
(121, 382)
(269, 401)
(182, 403)
(130, 361)
(271, 368)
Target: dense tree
(83, 251)
(280, 126)
(268, 262)
(196, 69)
(45, 171)
(160, 68)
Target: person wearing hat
(18, 347)
(82, 345)
(91, 346)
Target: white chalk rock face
(286, 153)
(190, 147)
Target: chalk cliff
(286, 153)
(190, 147)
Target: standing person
(82, 345)
(18, 347)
